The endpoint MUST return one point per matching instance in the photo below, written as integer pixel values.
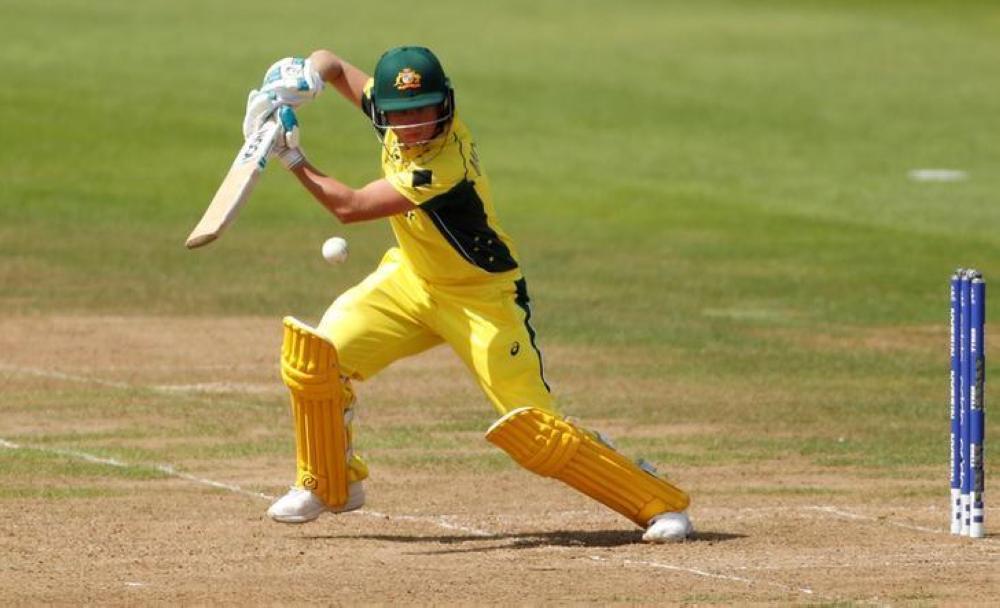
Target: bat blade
(236, 187)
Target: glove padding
(286, 146)
(293, 81)
(260, 107)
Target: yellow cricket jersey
(453, 237)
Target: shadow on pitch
(521, 540)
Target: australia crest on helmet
(407, 80)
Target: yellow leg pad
(552, 447)
(310, 371)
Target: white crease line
(439, 521)
(218, 387)
(203, 387)
(47, 373)
(706, 574)
(78, 455)
(251, 388)
(826, 509)
(895, 562)
(204, 367)
(859, 517)
(167, 469)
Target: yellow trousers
(393, 314)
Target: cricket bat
(236, 187)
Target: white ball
(335, 250)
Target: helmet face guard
(409, 78)
(446, 111)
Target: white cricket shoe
(300, 505)
(668, 528)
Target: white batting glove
(286, 147)
(260, 107)
(293, 80)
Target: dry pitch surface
(143, 452)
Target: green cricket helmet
(406, 78)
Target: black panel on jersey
(460, 217)
(422, 177)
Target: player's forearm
(327, 64)
(338, 198)
(347, 79)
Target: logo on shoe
(515, 348)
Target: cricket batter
(453, 277)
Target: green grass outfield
(710, 183)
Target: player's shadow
(520, 540)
